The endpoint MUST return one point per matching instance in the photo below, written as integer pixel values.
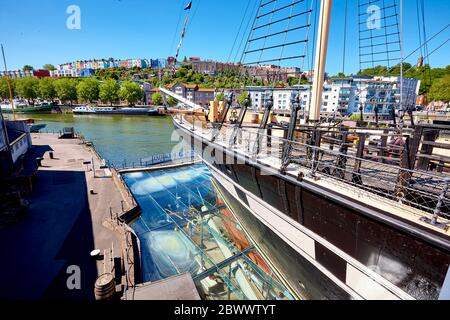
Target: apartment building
(369, 93)
(17, 74)
(282, 97)
(192, 92)
(86, 68)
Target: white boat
(115, 110)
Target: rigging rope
(183, 33)
(419, 27)
(239, 31)
(176, 31)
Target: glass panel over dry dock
(185, 227)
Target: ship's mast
(9, 84)
(320, 60)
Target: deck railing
(378, 162)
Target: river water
(117, 138)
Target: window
(325, 104)
(326, 97)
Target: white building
(345, 96)
(382, 93)
(282, 97)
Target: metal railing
(153, 160)
(378, 168)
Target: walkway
(63, 224)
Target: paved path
(62, 226)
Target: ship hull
(363, 252)
(30, 110)
(137, 112)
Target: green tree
(88, 90)
(220, 96)
(109, 91)
(47, 89)
(27, 68)
(131, 92)
(243, 96)
(49, 67)
(66, 89)
(171, 101)
(157, 99)
(4, 89)
(440, 90)
(28, 88)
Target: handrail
(422, 190)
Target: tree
(220, 96)
(243, 96)
(109, 91)
(28, 88)
(88, 90)
(4, 89)
(157, 99)
(27, 68)
(171, 101)
(47, 89)
(49, 67)
(66, 90)
(440, 90)
(131, 92)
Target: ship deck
(377, 181)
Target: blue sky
(34, 32)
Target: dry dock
(68, 216)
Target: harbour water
(117, 138)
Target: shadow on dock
(56, 233)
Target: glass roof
(185, 227)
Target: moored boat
(116, 110)
(24, 107)
(34, 127)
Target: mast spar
(9, 84)
(320, 60)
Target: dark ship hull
(326, 245)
